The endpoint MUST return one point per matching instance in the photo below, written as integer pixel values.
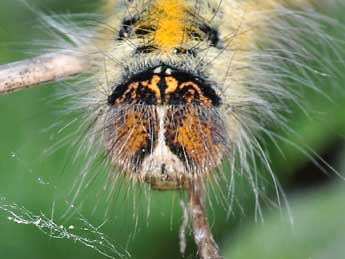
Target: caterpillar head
(166, 128)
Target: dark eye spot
(212, 34)
(185, 51)
(195, 35)
(145, 49)
(144, 30)
(126, 27)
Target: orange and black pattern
(164, 85)
(190, 130)
(132, 135)
(195, 135)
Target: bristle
(180, 88)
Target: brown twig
(42, 69)
(207, 247)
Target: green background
(33, 176)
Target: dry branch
(207, 247)
(42, 69)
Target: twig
(207, 247)
(42, 69)
(184, 225)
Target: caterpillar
(178, 92)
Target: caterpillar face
(164, 125)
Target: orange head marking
(169, 19)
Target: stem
(31, 72)
(207, 247)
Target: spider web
(81, 232)
(90, 236)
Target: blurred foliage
(39, 182)
(317, 232)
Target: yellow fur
(169, 18)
